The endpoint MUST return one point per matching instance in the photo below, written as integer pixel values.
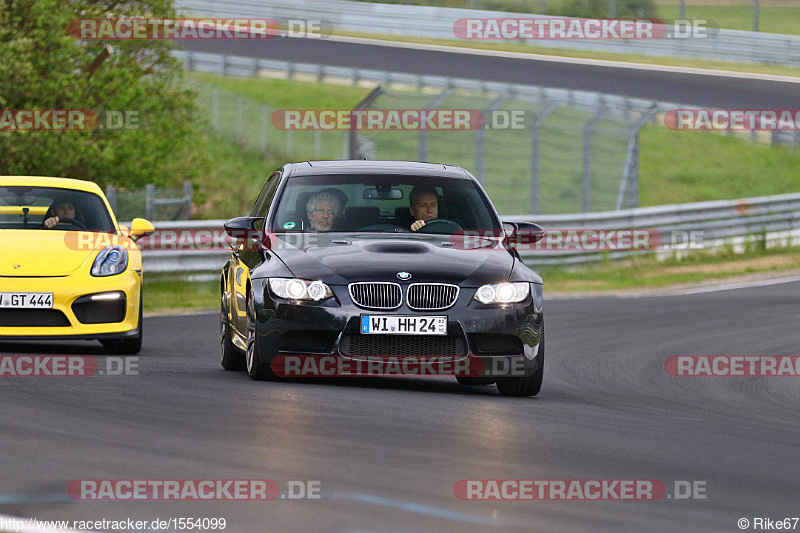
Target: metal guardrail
(437, 22)
(773, 220)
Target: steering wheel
(72, 221)
(440, 225)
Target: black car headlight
(299, 289)
(111, 260)
(503, 293)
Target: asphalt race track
(388, 451)
(685, 88)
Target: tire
(475, 381)
(130, 346)
(528, 385)
(230, 357)
(255, 368)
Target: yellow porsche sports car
(68, 271)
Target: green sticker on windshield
(289, 225)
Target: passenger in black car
(323, 210)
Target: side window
(264, 200)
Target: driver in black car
(60, 209)
(424, 205)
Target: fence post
(586, 187)
(480, 139)
(536, 125)
(422, 136)
(215, 110)
(756, 9)
(264, 127)
(352, 134)
(149, 200)
(289, 142)
(630, 174)
(239, 116)
(111, 195)
(317, 143)
(187, 199)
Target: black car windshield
(382, 203)
(24, 207)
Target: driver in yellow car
(59, 210)
(424, 205)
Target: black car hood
(339, 259)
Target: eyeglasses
(321, 211)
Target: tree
(43, 67)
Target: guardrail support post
(149, 200)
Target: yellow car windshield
(24, 207)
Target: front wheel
(528, 385)
(255, 368)
(230, 357)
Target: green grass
(675, 166)
(683, 166)
(647, 272)
(162, 293)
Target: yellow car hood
(48, 252)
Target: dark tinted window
(381, 203)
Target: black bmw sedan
(362, 261)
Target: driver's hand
(51, 222)
(416, 225)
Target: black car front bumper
(504, 337)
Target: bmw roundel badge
(403, 275)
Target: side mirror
(139, 228)
(522, 233)
(243, 229)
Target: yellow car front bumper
(62, 322)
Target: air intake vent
(33, 318)
(431, 296)
(401, 345)
(376, 295)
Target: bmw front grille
(431, 296)
(376, 294)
